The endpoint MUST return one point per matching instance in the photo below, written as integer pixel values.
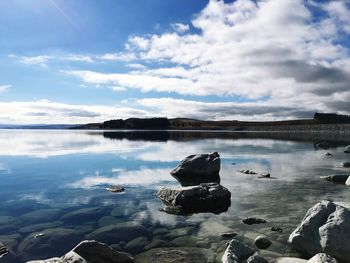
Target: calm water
(53, 189)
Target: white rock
(325, 228)
(322, 258)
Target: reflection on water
(55, 182)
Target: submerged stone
(50, 243)
(118, 232)
(41, 215)
(174, 255)
(84, 214)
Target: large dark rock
(210, 197)
(336, 178)
(90, 251)
(325, 228)
(202, 165)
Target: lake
(53, 189)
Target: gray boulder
(336, 178)
(210, 197)
(256, 259)
(237, 252)
(322, 258)
(347, 149)
(90, 251)
(198, 165)
(325, 228)
(318, 258)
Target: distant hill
(193, 124)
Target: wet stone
(277, 229)
(229, 234)
(262, 242)
(253, 220)
(115, 189)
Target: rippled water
(53, 189)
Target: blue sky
(78, 61)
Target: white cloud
(180, 28)
(144, 177)
(33, 60)
(258, 110)
(80, 58)
(43, 60)
(275, 50)
(118, 56)
(4, 87)
(118, 89)
(136, 66)
(339, 11)
(44, 112)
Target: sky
(82, 61)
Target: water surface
(55, 182)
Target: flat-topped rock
(208, 197)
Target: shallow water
(55, 182)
